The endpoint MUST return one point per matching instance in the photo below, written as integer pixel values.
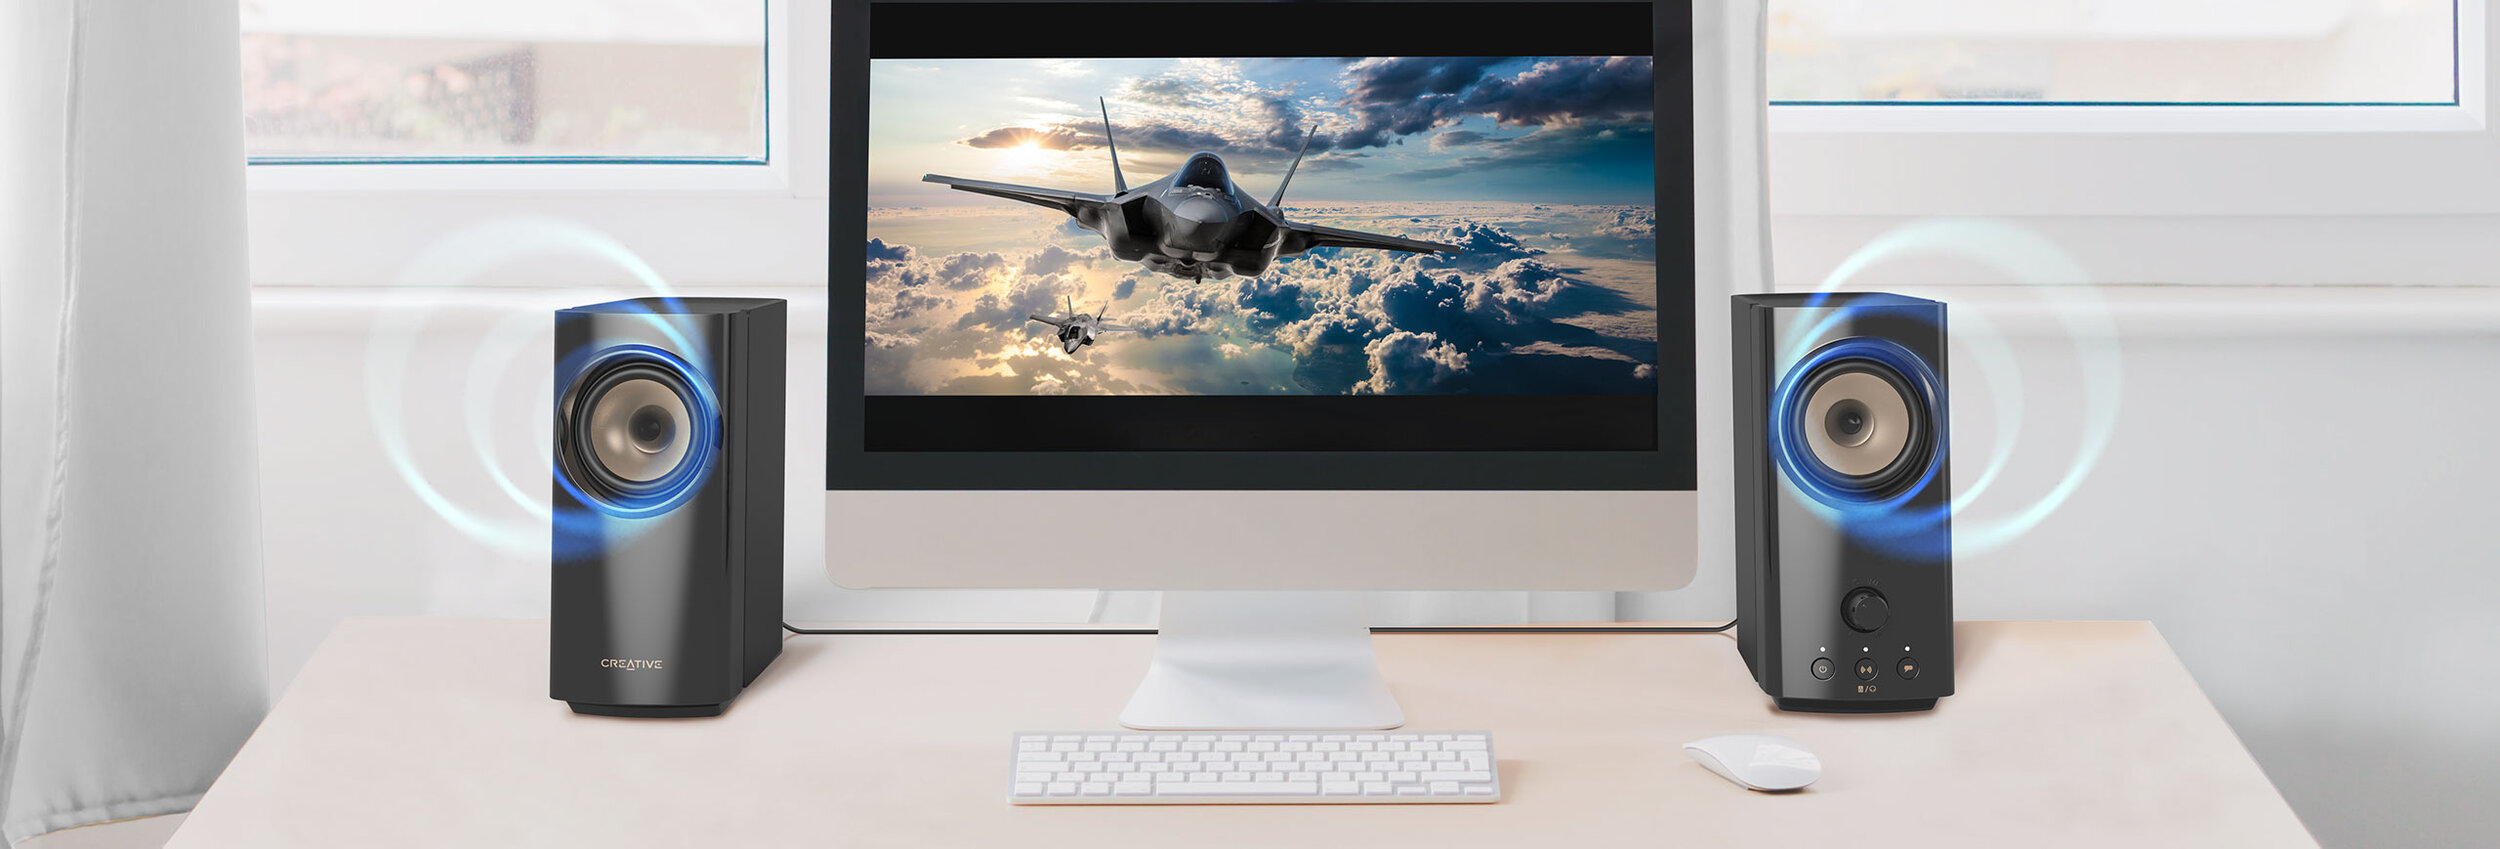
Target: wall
(2297, 491)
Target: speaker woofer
(1858, 422)
(636, 432)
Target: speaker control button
(1908, 669)
(1822, 669)
(1866, 669)
(1864, 610)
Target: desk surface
(432, 732)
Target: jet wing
(1059, 199)
(1113, 328)
(1316, 236)
(1054, 322)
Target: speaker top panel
(1794, 300)
(678, 306)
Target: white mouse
(1758, 761)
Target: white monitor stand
(1228, 660)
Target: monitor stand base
(1263, 660)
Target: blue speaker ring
(579, 466)
(1880, 491)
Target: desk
(438, 733)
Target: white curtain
(131, 639)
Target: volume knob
(1864, 610)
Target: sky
(1539, 169)
(1547, 130)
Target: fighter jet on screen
(1076, 329)
(1195, 223)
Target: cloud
(1630, 224)
(1513, 313)
(1014, 305)
(879, 251)
(1052, 138)
(1577, 144)
(1458, 138)
(1403, 362)
(1392, 98)
(1581, 88)
(972, 270)
(1053, 259)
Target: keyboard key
(1028, 788)
(1096, 788)
(1462, 776)
(1060, 788)
(1141, 788)
(1244, 788)
(1302, 776)
(1445, 788)
(1023, 777)
(1403, 789)
(1268, 776)
(1479, 790)
(1340, 788)
(1404, 777)
(1377, 788)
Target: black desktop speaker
(1844, 538)
(667, 512)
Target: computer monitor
(1260, 304)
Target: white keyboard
(1257, 768)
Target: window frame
(330, 223)
(2165, 193)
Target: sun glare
(1025, 158)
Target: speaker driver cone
(637, 428)
(1858, 423)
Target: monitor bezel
(1671, 465)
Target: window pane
(485, 79)
(2114, 51)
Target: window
(2380, 52)
(505, 80)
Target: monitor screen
(1345, 227)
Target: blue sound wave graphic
(457, 260)
(2048, 272)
